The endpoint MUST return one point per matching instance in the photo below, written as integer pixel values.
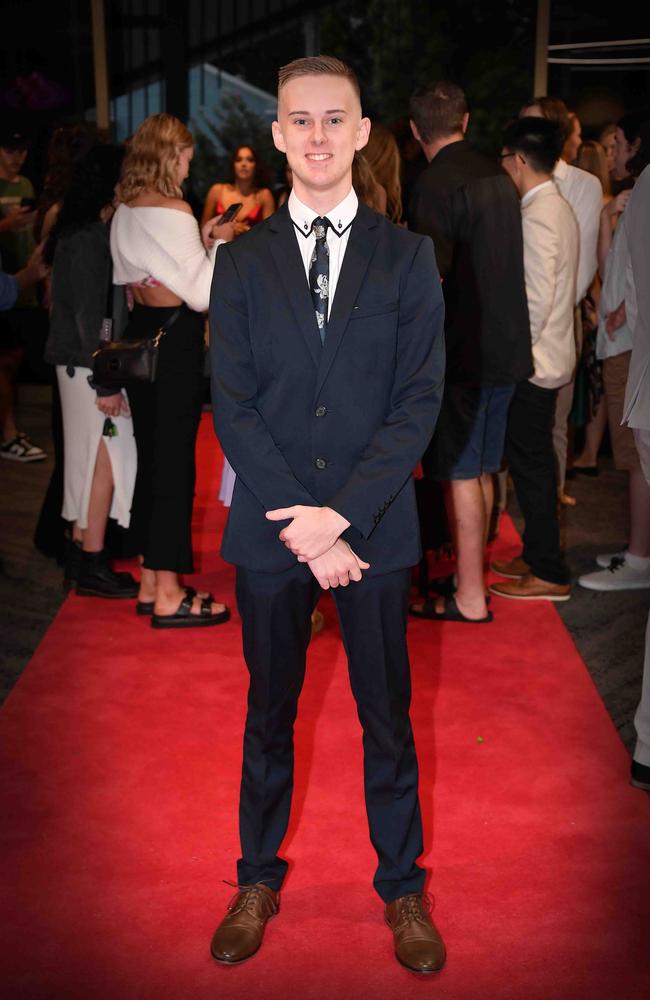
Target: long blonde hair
(593, 158)
(151, 159)
(382, 153)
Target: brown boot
(240, 933)
(418, 945)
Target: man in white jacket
(551, 240)
(637, 414)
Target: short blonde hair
(152, 156)
(318, 66)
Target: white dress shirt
(613, 293)
(584, 194)
(636, 220)
(551, 242)
(341, 218)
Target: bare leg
(639, 514)
(170, 593)
(487, 489)
(9, 362)
(101, 495)
(593, 437)
(466, 509)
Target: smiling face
(320, 128)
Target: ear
(465, 122)
(278, 138)
(414, 130)
(634, 147)
(363, 133)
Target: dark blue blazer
(343, 424)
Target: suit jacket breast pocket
(371, 336)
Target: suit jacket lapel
(286, 254)
(360, 248)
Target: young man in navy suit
(328, 361)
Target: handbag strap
(108, 312)
(165, 327)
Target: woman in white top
(159, 251)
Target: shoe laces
(617, 563)
(414, 907)
(249, 898)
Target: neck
(244, 187)
(322, 202)
(530, 181)
(431, 149)
(8, 175)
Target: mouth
(318, 157)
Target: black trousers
(275, 609)
(531, 459)
(166, 416)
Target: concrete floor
(608, 628)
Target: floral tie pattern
(319, 271)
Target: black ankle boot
(97, 579)
(71, 562)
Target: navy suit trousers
(276, 616)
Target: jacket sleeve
(8, 290)
(398, 444)
(89, 274)
(245, 438)
(540, 266)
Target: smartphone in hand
(229, 214)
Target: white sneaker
(21, 449)
(605, 559)
(618, 576)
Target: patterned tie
(319, 273)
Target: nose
(317, 135)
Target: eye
(335, 120)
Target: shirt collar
(561, 169)
(533, 192)
(341, 216)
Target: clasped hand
(338, 567)
(313, 530)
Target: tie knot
(319, 227)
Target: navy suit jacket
(340, 425)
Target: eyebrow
(332, 111)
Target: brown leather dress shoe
(418, 945)
(240, 933)
(531, 588)
(513, 569)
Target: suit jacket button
(320, 463)
(321, 411)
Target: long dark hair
(260, 176)
(92, 188)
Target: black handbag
(116, 363)
(120, 362)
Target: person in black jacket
(100, 457)
(470, 208)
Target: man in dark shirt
(470, 208)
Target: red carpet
(121, 750)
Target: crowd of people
(543, 292)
